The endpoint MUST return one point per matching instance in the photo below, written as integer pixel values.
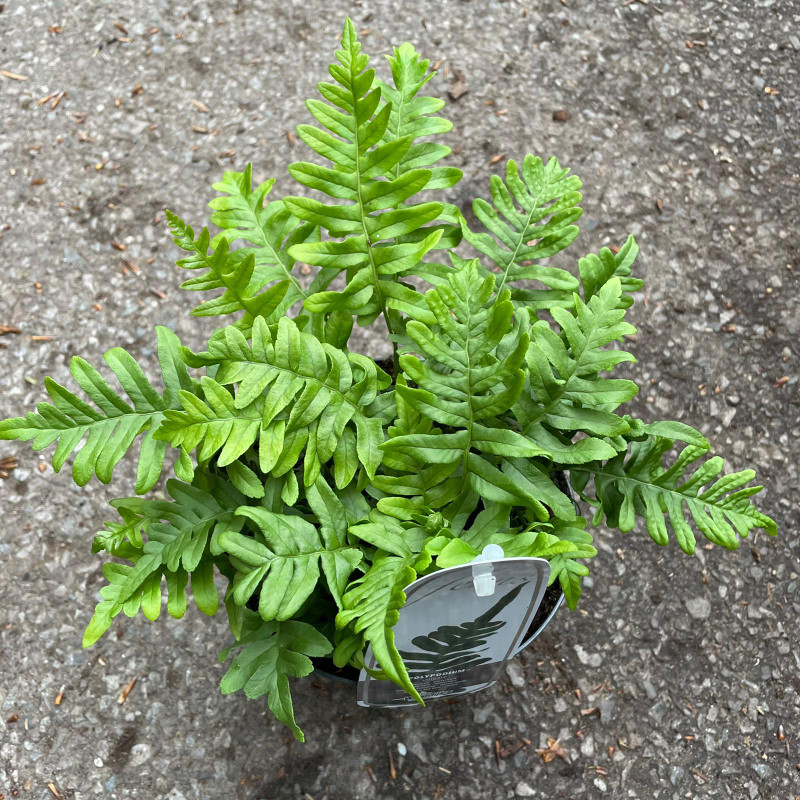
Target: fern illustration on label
(450, 647)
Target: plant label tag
(457, 630)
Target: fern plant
(314, 484)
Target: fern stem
(471, 420)
(375, 278)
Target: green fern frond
(374, 210)
(164, 540)
(137, 586)
(116, 534)
(226, 269)
(372, 606)
(298, 395)
(415, 115)
(268, 229)
(642, 484)
(193, 520)
(462, 384)
(389, 535)
(564, 393)
(131, 587)
(272, 653)
(597, 270)
(283, 562)
(213, 424)
(531, 218)
(564, 566)
(111, 428)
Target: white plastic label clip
(482, 573)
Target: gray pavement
(673, 678)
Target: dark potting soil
(387, 365)
(350, 674)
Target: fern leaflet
(283, 561)
(226, 270)
(597, 270)
(298, 394)
(268, 229)
(271, 653)
(372, 605)
(641, 484)
(463, 385)
(564, 392)
(164, 540)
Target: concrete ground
(678, 677)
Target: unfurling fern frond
(531, 216)
(111, 428)
(643, 484)
(272, 653)
(295, 395)
(564, 393)
(371, 210)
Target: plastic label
(454, 640)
